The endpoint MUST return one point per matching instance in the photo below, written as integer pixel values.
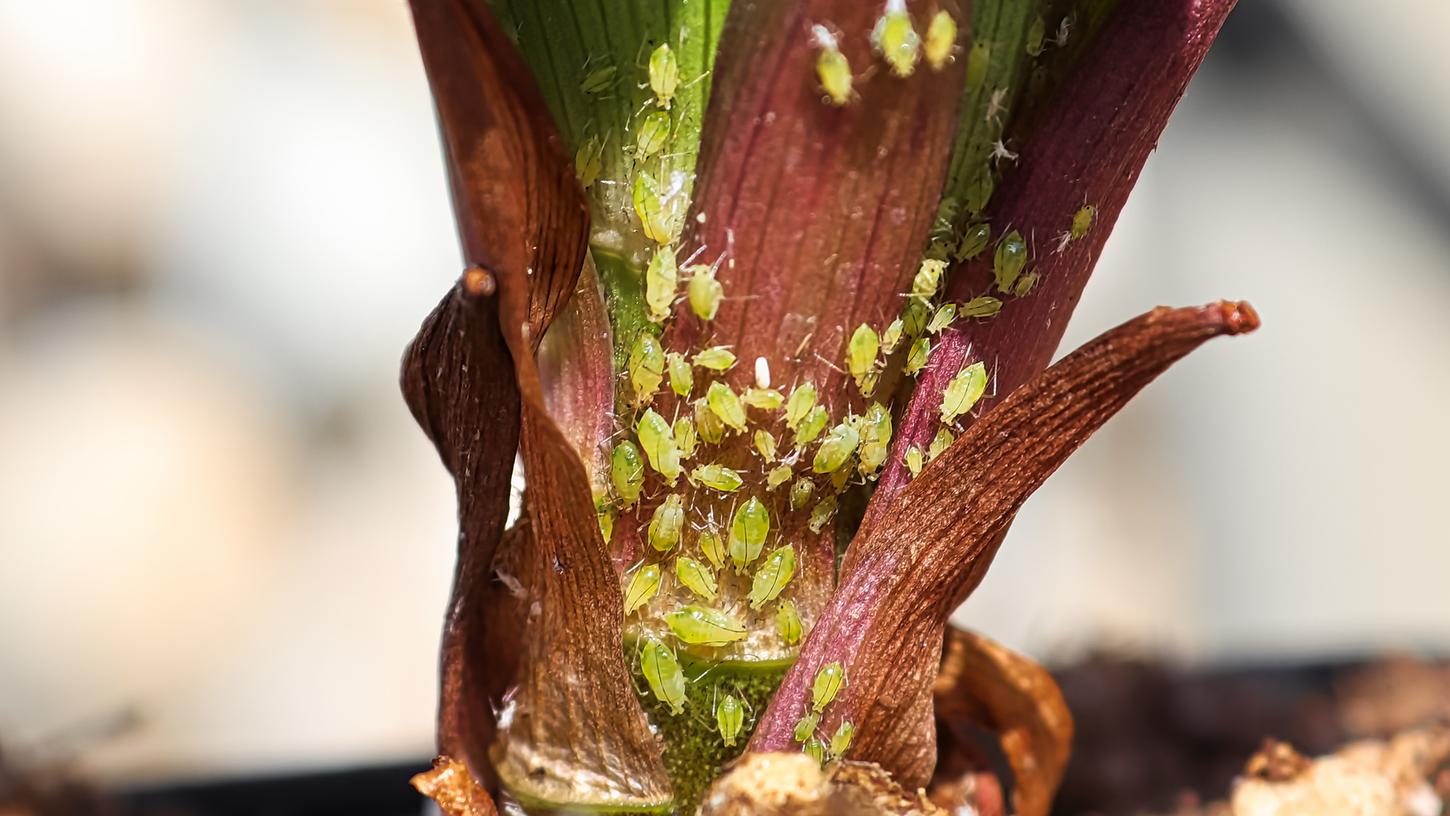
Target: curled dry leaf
(454, 789)
(998, 690)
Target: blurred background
(225, 548)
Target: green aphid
(664, 75)
(801, 492)
(914, 317)
(667, 524)
(696, 577)
(928, 279)
(606, 523)
(652, 133)
(726, 405)
(815, 749)
(980, 190)
(599, 80)
(827, 685)
(715, 358)
(939, 443)
(875, 438)
(661, 670)
(704, 292)
(661, 279)
(974, 240)
(765, 399)
(646, 367)
(685, 437)
(806, 726)
(941, 38)
(643, 586)
(765, 446)
(868, 383)
(1036, 33)
(711, 429)
(589, 161)
(836, 448)
(979, 59)
(682, 374)
(984, 306)
(942, 318)
(896, 40)
(917, 356)
(713, 548)
(1082, 221)
(772, 577)
(1010, 260)
(861, 351)
(653, 216)
(1024, 284)
(833, 70)
(657, 439)
(842, 476)
(821, 514)
(747, 533)
(701, 626)
(626, 472)
(812, 426)
(802, 400)
(729, 719)
(777, 476)
(891, 336)
(915, 460)
(717, 477)
(788, 622)
(841, 740)
(963, 391)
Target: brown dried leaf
(454, 789)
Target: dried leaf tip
(1238, 316)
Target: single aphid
(811, 427)
(939, 443)
(914, 317)
(626, 472)
(1082, 221)
(981, 188)
(788, 622)
(815, 749)
(598, 80)
(891, 336)
(646, 367)
(836, 448)
(711, 429)
(685, 437)
(652, 133)
(772, 577)
(917, 356)
(747, 533)
(915, 460)
(941, 38)
(1009, 261)
(1036, 33)
(713, 548)
(841, 740)
(979, 59)
(927, 280)
(832, 68)
(766, 399)
(661, 670)
(875, 427)
(726, 405)
(661, 279)
(664, 75)
(657, 439)
(942, 318)
(715, 358)
(589, 162)
(642, 587)
(896, 40)
(729, 719)
(668, 523)
(800, 493)
(861, 351)
(802, 400)
(983, 306)
(821, 514)
(701, 626)
(974, 240)
(963, 391)
(1024, 284)
(682, 374)
(704, 292)
(806, 726)
(777, 476)
(606, 523)
(650, 208)
(696, 577)
(827, 685)
(765, 446)
(717, 477)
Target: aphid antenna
(700, 250)
(828, 364)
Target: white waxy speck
(762, 372)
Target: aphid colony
(894, 39)
(827, 684)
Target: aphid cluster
(894, 39)
(828, 682)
